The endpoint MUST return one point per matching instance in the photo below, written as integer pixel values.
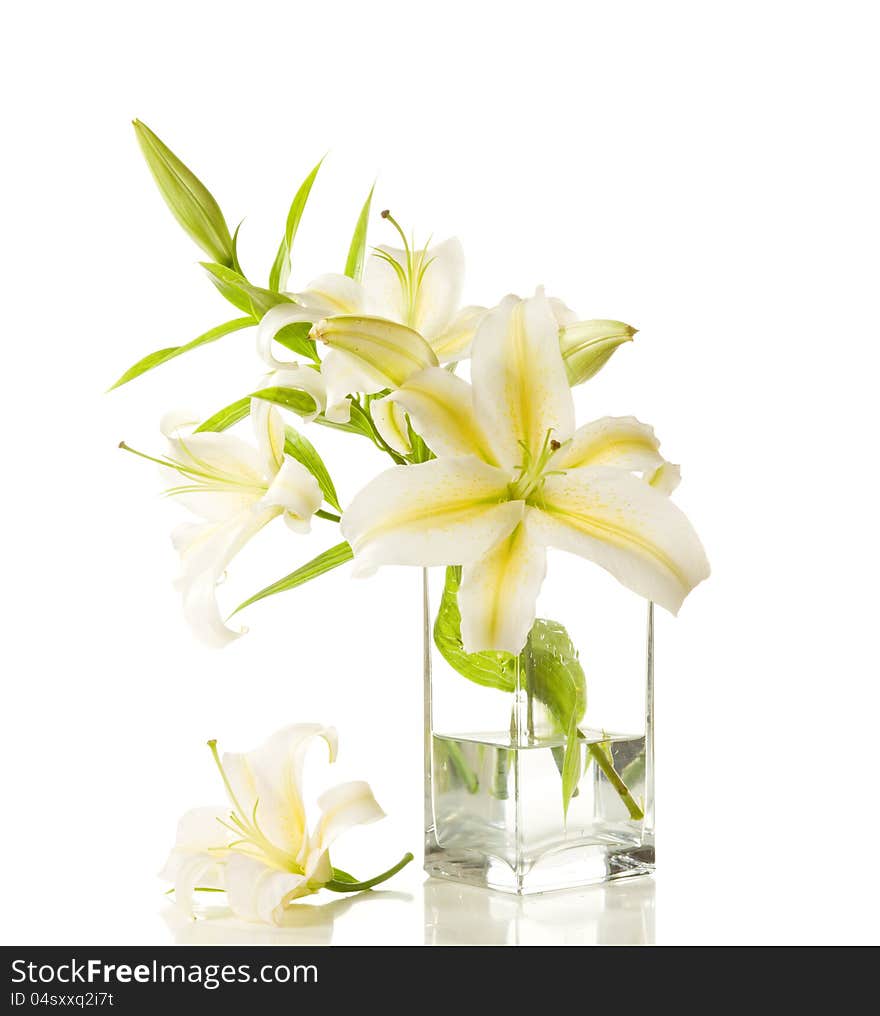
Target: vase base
(568, 868)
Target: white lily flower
(409, 302)
(422, 290)
(259, 848)
(236, 489)
(514, 477)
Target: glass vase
(519, 796)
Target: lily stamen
(532, 472)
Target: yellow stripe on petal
(333, 294)
(521, 392)
(625, 526)
(269, 429)
(497, 594)
(620, 441)
(666, 478)
(442, 511)
(455, 342)
(442, 407)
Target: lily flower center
(202, 476)
(251, 841)
(533, 471)
(411, 273)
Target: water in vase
(498, 812)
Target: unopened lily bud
(587, 346)
(390, 351)
(191, 203)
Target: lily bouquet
(473, 407)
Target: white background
(707, 172)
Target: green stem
(502, 766)
(459, 763)
(528, 665)
(604, 763)
(340, 886)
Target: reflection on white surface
(305, 923)
(619, 913)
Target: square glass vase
(498, 742)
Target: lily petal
(302, 379)
(442, 407)
(296, 491)
(342, 808)
(193, 871)
(625, 526)
(437, 287)
(439, 511)
(345, 375)
(205, 550)
(269, 431)
(194, 861)
(620, 441)
(454, 342)
(268, 782)
(256, 892)
(561, 311)
(497, 594)
(666, 478)
(191, 863)
(201, 829)
(333, 294)
(221, 474)
(521, 391)
(272, 322)
(388, 352)
(390, 421)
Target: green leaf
(354, 263)
(239, 292)
(299, 447)
(555, 677)
(288, 398)
(163, 355)
(235, 263)
(490, 669)
(420, 451)
(295, 337)
(571, 765)
(280, 272)
(191, 203)
(330, 559)
(227, 417)
(361, 421)
(554, 673)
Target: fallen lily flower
(514, 477)
(259, 848)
